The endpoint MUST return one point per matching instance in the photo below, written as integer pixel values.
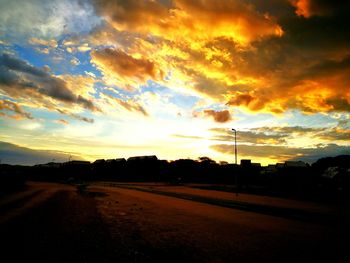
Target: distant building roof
(99, 161)
(246, 162)
(147, 157)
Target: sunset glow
(119, 78)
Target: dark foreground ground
(149, 223)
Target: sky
(119, 78)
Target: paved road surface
(60, 223)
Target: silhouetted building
(99, 161)
(246, 163)
(143, 158)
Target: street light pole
(235, 146)
(236, 160)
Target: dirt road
(60, 223)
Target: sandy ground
(59, 223)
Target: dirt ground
(96, 223)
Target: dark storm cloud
(15, 64)
(20, 79)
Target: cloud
(218, 116)
(75, 116)
(190, 137)
(19, 79)
(129, 105)
(45, 51)
(39, 19)
(252, 136)
(75, 61)
(336, 133)
(274, 142)
(308, 8)
(14, 154)
(231, 52)
(123, 68)
(279, 82)
(189, 20)
(52, 43)
(282, 153)
(62, 121)
(9, 106)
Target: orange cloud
(189, 20)
(19, 113)
(218, 116)
(228, 51)
(123, 69)
(308, 8)
(302, 8)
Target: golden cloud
(189, 20)
(227, 51)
